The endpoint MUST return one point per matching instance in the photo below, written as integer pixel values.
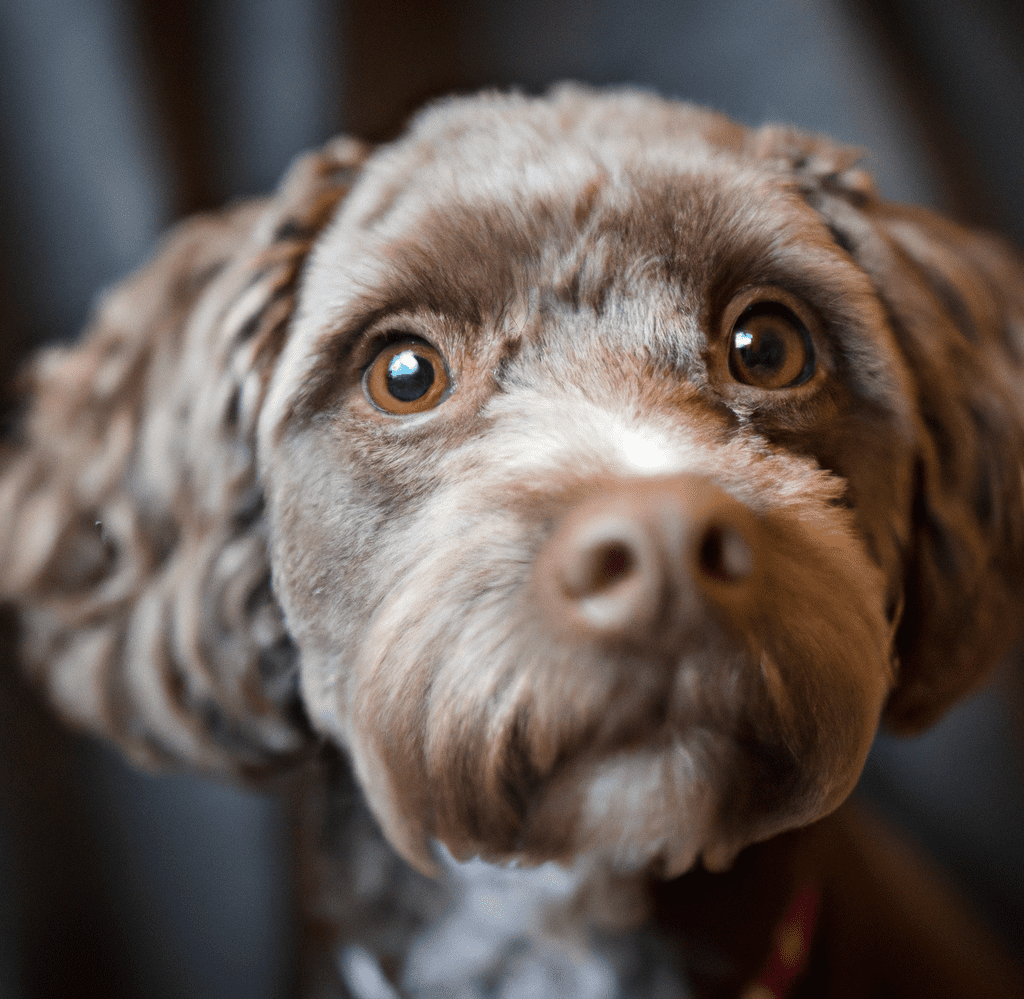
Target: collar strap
(791, 947)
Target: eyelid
(748, 297)
(373, 342)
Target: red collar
(791, 947)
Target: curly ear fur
(131, 527)
(955, 304)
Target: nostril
(600, 568)
(723, 554)
(614, 562)
(609, 574)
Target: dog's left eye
(408, 376)
(771, 348)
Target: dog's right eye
(771, 347)
(408, 376)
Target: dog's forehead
(491, 145)
(467, 226)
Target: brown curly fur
(571, 258)
(132, 531)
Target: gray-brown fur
(573, 260)
(132, 521)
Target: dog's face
(592, 467)
(619, 469)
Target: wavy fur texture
(224, 551)
(133, 535)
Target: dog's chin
(646, 809)
(660, 811)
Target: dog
(573, 486)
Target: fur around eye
(770, 347)
(407, 376)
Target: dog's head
(623, 467)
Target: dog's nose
(637, 553)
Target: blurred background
(116, 117)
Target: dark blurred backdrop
(116, 117)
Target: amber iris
(771, 347)
(408, 376)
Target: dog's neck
(519, 933)
(387, 932)
(478, 931)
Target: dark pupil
(409, 376)
(761, 348)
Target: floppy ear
(955, 305)
(131, 525)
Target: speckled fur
(225, 555)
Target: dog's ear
(131, 527)
(817, 163)
(954, 300)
